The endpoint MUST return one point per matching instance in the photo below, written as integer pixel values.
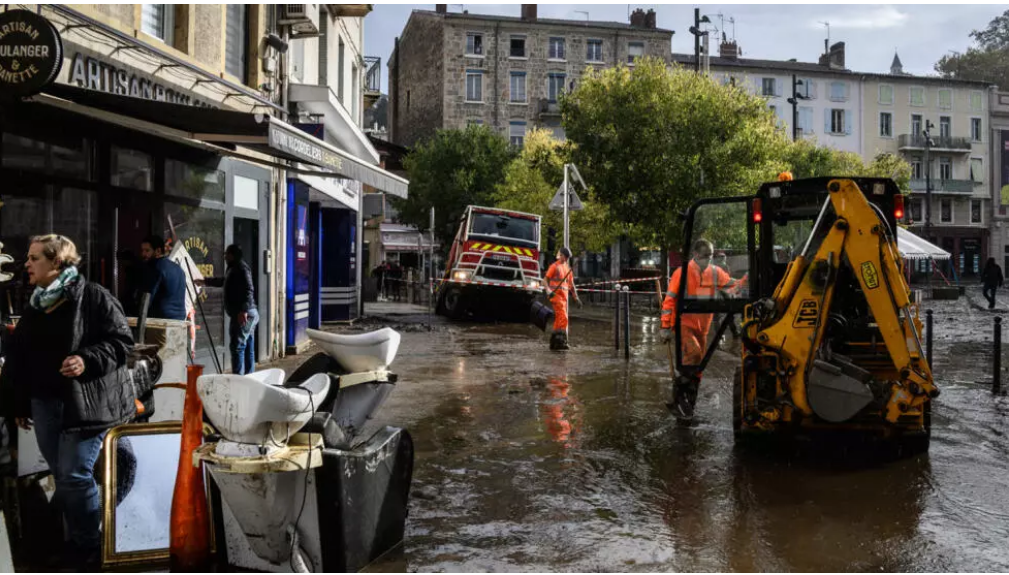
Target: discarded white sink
(372, 351)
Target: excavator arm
(829, 385)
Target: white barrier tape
(614, 291)
(627, 281)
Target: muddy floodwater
(531, 460)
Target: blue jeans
(243, 344)
(71, 458)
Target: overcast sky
(921, 34)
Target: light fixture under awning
(228, 128)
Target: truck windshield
(500, 225)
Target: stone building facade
(450, 70)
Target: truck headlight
(461, 275)
(534, 284)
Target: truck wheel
(454, 304)
(737, 404)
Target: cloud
(880, 17)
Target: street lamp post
(697, 32)
(794, 101)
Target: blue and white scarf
(44, 298)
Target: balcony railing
(548, 108)
(372, 80)
(950, 143)
(945, 186)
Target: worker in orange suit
(704, 281)
(559, 283)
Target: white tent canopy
(913, 247)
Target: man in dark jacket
(992, 278)
(240, 305)
(166, 282)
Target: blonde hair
(58, 249)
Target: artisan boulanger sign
(31, 53)
(302, 147)
(91, 73)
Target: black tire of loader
(737, 404)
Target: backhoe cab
(830, 338)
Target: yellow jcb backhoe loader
(831, 338)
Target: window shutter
(777, 86)
(812, 87)
(236, 41)
(847, 121)
(847, 91)
(826, 120)
(758, 87)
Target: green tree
(806, 159)
(451, 170)
(532, 179)
(653, 140)
(987, 60)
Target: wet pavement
(531, 460)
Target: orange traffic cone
(189, 550)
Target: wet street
(531, 460)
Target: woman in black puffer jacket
(66, 375)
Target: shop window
(68, 158)
(246, 193)
(236, 41)
(75, 215)
(201, 230)
(132, 169)
(194, 182)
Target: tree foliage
(532, 179)
(986, 61)
(652, 140)
(806, 159)
(453, 169)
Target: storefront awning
(913, 247)
(259, 132)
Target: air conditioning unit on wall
(302, 18)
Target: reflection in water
(553, 406)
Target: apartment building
(830, 96)
(450, 70)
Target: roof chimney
(729, 50)
(441, 8)
(638, 18)
(650, 19)
(836, 56)
(529, 12)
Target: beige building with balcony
(896, 109)
(999, 175)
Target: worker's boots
(558, 341)
(684, 397)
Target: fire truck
(493, 266)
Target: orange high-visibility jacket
(699, 285)
(559, 278)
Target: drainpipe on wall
(281, 259)
(861, 118)
(497, 58)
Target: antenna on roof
(586, 12)
(827, 24)
(732, 20)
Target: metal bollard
(627, 323)
(928, 337)
(996, 385)
(616, 319)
